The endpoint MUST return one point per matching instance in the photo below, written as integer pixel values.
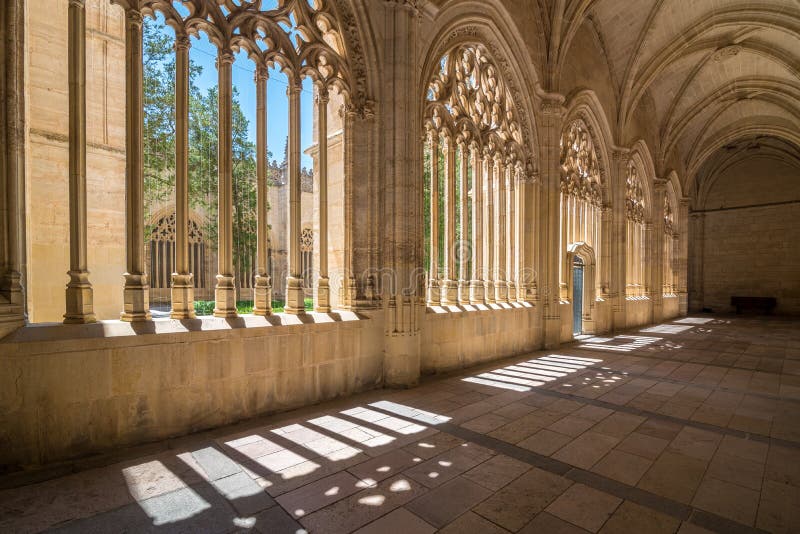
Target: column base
(488, 292)
(225, 297)
(463, 291)
(476, 292)
(80, 299)
(182, 296)
(322, 295)
(512, 292)
(11, 289)
(449, 293)
(295, 296)
(262, 296)
(552, 332)
(501, 291)
(434, 293)
(136, 298)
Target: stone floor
(689, 426)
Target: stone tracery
(473, 130)
(636, 232)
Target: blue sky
(204, 54)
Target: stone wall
(455, 340)
(67, 391)
(750, 232)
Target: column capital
(77, 3)
(262, 73)
(182, 42)
(621, 155)
(134, 17)
(225, 56)
(552, 104)
(322, 96)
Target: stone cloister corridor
(689, 426)
(400, 266)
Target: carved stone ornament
(580, 171)
(634, 196)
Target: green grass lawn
(206, 307)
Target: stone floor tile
(643, 445)
(550, 524)
(696, 443)
(384, 466)
(518, 430)
(517, 503)
(246, 496)
(433, 445)
(496, 472)
(364, 507)
(675, 476)
(571, 425)
(442, 505)
(735, 470)
(515, 410)
(622, 466)
(755, 451)
(728, 500)
(631, 517)
(215, 463)
(275, 521)
(585, 507)
(779, 508)
(618, 424)
(485, 423)
(689, 528)
(585, 450)
(312, 497)
(400, 521)
(449, 464)
(471, 522)
(659, 428)
(545, 442)
(783, 465)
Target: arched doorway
(577, 295)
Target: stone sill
(166, 330)
(632, 298)
(468, 308)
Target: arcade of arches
(457, 182)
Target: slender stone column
(295, 301)
(449, 284)
(136, 294)
(551, 256)
(262, 293)
(225, 291)
(322, 298)
(182, 292)
(510, 250)
(434, 290)
(463, 238)
(488, 226)
(80, 307)
(655, 259)
(476, 295)
(682, 263)
(12, 173)
(500, 275)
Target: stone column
(511, 218)
(182, 292)
(136, 294)
(525, 233)
(80, 307)
(552, 114)
(697, 248)
(295, 301)
(463, 238)
(488, 226)
(225, 290)
(449, 284)
(322, 296)
(12, 174)
(476, 294)
(656, 260)
(401, 187)
(500, 236)
(434, 289)
(619, 224)
(262, 292)
(681, 263)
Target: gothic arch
(455, 28)
(585, 106)
(642, 160)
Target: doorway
(577, 295)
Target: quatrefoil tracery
(580, 171)
(300, 36)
